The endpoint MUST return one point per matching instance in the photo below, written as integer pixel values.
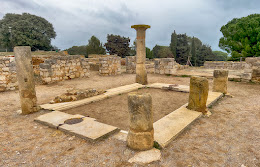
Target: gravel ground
(229, 137)
(114, 111)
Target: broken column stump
(141, 74)
(220, 80)
(25, 79)
(141, 132)
(199, 88)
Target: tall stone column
(199, 88)
(25, 79)
(220, 80)
(141, 74)
(141, 132)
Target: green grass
(157, 145)
(184, 76)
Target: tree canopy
(173, 44)
(118, 45)
(26, 30)
(78, 50)
(190, 47)
(149, 53)
(95, 46)
(241, 37)
(220, 56)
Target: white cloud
(76, 21)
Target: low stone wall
(250, 68)
(37, 60)
(8, 80)
(253, 72)
(130, 64)
(64, 67)
(231, 65)
(165, 66)
(109, 65)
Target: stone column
(25, 79)
(141, 74)
(141, 132)
(199, 88)
(220, 80)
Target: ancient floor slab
(89, 130)
(169, 127)
(56, 118)
(145, 157)
(213, 97)
(178, 88)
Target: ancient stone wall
(253, 72)
(8, 80)
(110, 65)
(130, 64)
(64, 67)
(250, 68)
(165, 66)
(158, 66)
(231, 65)
(37, 60)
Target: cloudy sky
(75, 21)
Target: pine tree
(183, 49)
(173, 44)
(193, 53)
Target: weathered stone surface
(141, 133)
(220, 81)
(165, 66)
(140, 140)
(146, 157)
(57, 118)
(110, 65)
(256, 75)
(77, 94)
(141, 74)
(25, 78)
(170, 126)
(60, 68)
(89, 130)
(199, 88)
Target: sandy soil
(229, 137)
(114, 111)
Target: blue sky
(76, 21)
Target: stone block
(140, 135)
(199, 88)
(220, 81)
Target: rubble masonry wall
(110, 65)
(64, 67)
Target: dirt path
(229, 137)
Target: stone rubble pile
(77, 94)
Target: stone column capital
(140, 26)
